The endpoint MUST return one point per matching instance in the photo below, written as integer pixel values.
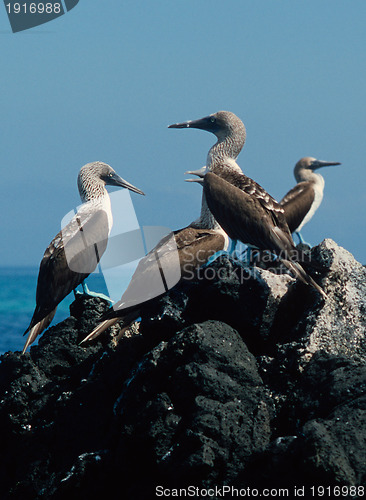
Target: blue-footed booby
(194, 246)
(248, 213)
(303, 200)
(231, 134)
(76, 250)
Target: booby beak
(181, 125)
(206, 123)
(319, 164)
(200, 172)
(116, 180)
(200, 180)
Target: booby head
(222, 123)
(305, 167)
(93, 177)
(228, 129)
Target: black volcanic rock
(243, 378)
(195, 406)
(325, 443)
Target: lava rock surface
(244, 378)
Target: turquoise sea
(17, 301)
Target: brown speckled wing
(247, 212)
(297, 203)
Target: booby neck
(93, 193)
(90, 191)
(91, 186)
(206, 220)
(307, 175)
(229, 143)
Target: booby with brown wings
(248, 213)
(303, 200)
(76, 250)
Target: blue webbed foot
(301, 239)
(86, 291)
(214, 257)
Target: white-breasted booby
(302, 201)
(75, 251)
(248, 213)
(194, 245)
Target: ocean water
(17, 300)
(18, 293)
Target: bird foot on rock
(89, 293)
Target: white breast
(318, 187)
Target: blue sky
(103, 82)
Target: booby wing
(247, 212)
(196, 246)
(70, 257)
(297, 203)
(191, 245)
(183, 250)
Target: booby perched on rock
(248, 213)
(231, 134)
(76, 250)
(187, 249)
(302, 201)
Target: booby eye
(213, 119)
